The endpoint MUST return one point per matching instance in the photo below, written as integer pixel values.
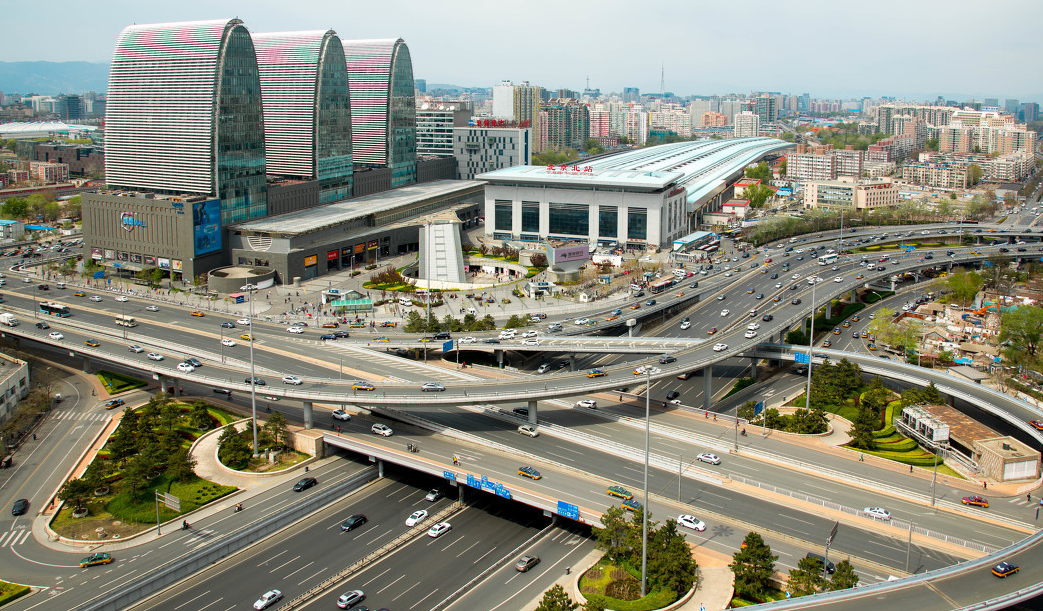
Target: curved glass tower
(383, 114)
(183, 114)
(307, 108)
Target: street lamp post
(123, 317)
(811, 339)
(250, 288)
(35, 305)
(223, 344)
(644, 509)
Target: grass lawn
(11, 591)
(116, 383)
(608, 578)
(286, 460)
(125, 514)
(772, 595)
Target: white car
(753, 326)
(122, 298)
(95, 298)
(878, 513)
(152, 308)
(581, 321)
(416, 517)
(686, 324)
(292, 380)
(532, 341)
(795, 276)
(55, 335)
(778, 285)
(185, 367)
(227, 342)
(750, 334)
(294, 329)
(350, 598)
(439, 529)
(530, 333)
(508, 334)
(529, 430)
(587, 403)
(725, 313)
(691, 522)
(720, 297)
(381, 429)
(339, 414)
(468, 340)
(709, 458)
(243, 321)
(838, 279)
(268, 599)
(720, 347)
(155, 356)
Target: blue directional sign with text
(802, 357)
(449, 475)
(447, 346)
(568, 510)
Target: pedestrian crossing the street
(1023, 501)
(14, 537)
(69, 414)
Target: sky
(916, 49)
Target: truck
(8, 319)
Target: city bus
(126, 321)
(54, 309)
(828, 259)
(662, 285)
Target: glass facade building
(383, 111)
(184, 114)
(307, 109)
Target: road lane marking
(298, 570)
(312, 576)
(284, 564)
(187, 602)
(270, 558)
(381, 590)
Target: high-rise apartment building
(568, 123)
(307, 109)
(747, 125)
(713, 119)
(503, 101)
(383, 111)
(211, 142)
(1030, 112)
(527, 100)
(766, 107)
(631, 94)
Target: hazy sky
(915, 48)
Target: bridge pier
(707, 387)
(572, 362)
(753, 367)
(86, 364)
(854, 296)
(532, 411)
(308, 421)
(499, 358)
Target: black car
(353, 522)
(767, 318)
(330, 336)
(42, 325)
(443, 335)
(793, 287)
(667, 359)
(774, 276)
(44, 287)
(824, 565)
(257, 381)
(521, 411)
(20, 507)
(195, 362)
(490, 341)
(228, 325)
(694, 285)
(673, 394)
(304, 484)
(341, 334)
(796, 301)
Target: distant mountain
(53, 78)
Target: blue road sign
(449, 475)
(98, 275)
(502, 492)
(447, 346)
(473, 482)
(757, 409)
(568, 510)
(802, 357)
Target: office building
(849, 193)
(420, 85)
(435, 123)
(765, 106)
(82, 159)
(211, 143)
(307, 109)
(747, 125)
(485, 149)
(383, 111)
(631, 94)
(1030, 112)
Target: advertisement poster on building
(163, 263)
(206, 223)
(312, 260)
(175, 265)
(150, 261)
(110, 254)
(135, 258)
(96, 254)
(121, 256)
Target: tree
(199, 417)
(557, 599)
(138, 472)
(1021, 329)
(862, 428)
(276, 430)
(232, 449)
(963, 286)
(595, 602)
(927, 395)
(747, 410)
(844, 577)
(973, 174)
(753, 566)
(616, 538)
(670, 562)
(758, 195)
(181, 466)
(538, 260)
(807, 577)
(76, 491)
(762, 171)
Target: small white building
(736, 208)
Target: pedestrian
(985, 485)
(861, 458)
(910, 468)
(34, 436)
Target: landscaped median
(11, 591)
(147, 453)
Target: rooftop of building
(962, 428)
(553, 175)
(25, 130)
(344, 211)
(6, 222)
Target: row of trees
(39, 206)
(670, 562)
(780, 226)
(754, 569)
(234, 448)
(418, 323)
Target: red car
(976, 500)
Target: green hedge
(876, 296)
(924, 459)
(116, 383)
(653, 600)
(740, 384)
(898, 445)
(887, 431)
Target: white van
(59, 285)
(405, 302)
(472, 311)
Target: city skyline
(900, 61)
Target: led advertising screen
(206, 224)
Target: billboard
(332, 255)
(150, 261)
(312, 260)
(206, 226)
(568, 256)
(135, 258)
(162, 263)
(96, 254)
(175, 264)
(110, 254)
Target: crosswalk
(69, 414)
(1024, 502)
(14, 537)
